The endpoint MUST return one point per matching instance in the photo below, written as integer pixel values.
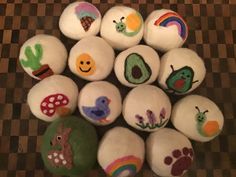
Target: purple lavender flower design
(152, 120)
(151, 117)
(139, 118)
(162, 114)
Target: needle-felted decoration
(79, 20)
(122, 27)
(169, 153)
(65, 145)
(137, 65)
(100, 102)
(42, 56)
(146, 108)
(203, 119)
(165, 29)
(181, 71)
(127, 159)
(91, 58)
(54, 97)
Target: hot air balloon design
(172, 18)
(87, 14)
(129, 26)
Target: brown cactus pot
(43, 72)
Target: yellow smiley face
(85, 64)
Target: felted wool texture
(189, 71)
(146, 108)
(76, 14)
(95, 50)
(50, 52)
(166, 34)
(122, 33)
(100, 102)
(115, 146)
(53, 86)
(148, 63)
(69, 146)
(201, 126)
(162, 144)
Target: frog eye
(59, 138)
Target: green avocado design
(69, 146)
(180, 80)
(137, 71)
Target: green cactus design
(33, 60)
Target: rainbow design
(172, 18)
(85, 9)
(130, 163)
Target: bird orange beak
(108, 101)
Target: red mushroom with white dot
(55, 103)
(53, 97)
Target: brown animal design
(62, 157)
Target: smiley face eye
(58, 138)
(182, 73)
(88, 62)
(81, 62)
(188, 76)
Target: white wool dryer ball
(54, 97)
(137, 65)
(91, 58)
(121, 152)
(42, 56)
(198, 118)
(122, 27)
(80, 19)
(181, 71)
(169, 153)
(146, 108)
(100, 102)
(165, 29)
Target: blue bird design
(100, 111)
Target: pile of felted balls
(70, 145)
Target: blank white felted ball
(181, 71)
(80, 19)
(137, 65)
(54, 97)
(42, 56)
(122, 27)
(198, 118)
(121, 152)
(91, 58)
(100, 102)
(169, 153)
(165, 29)
(146, 108)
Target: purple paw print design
(180, 160)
